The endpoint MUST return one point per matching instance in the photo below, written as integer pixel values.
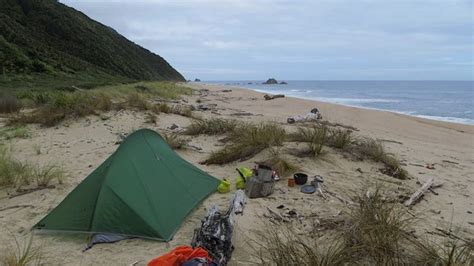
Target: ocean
(451, 101)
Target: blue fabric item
(105, 238)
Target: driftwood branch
(16, 206)
(215, 233)
(21, 192)
(419, 193)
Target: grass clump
(339, 138)
(212, 126)
(9, 104)
(15, 132)
(151, 118)
(21, 254)
(284, 246)
(374, 150)
(315, 137)
(278, 163)
(377, 229)
(44, 175)
(375, 232)
(13, 172)
(175, 141)
(247, 140)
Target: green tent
(144, 189)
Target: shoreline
(448, 119)
(409, 116)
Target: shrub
(9, 104)
(212, 126)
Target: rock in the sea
(271, 81)
(197, 80)
(283, 83)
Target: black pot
(300, 178)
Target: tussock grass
(137, 101)
(284, 246)
(315, 137)
(375, 232)
(45, 174)
(53, 106)
(247, 140)
(9, 104)
(277, 162)
(21, 254)
(377, 229)
(14, 173)
(212, 126)
(375, 150)
(181, 110)
(451, 252)
(15, 132)
(175, 141)
(339, 138)
(151, 118)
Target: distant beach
(450, 101)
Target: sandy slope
(80, 146)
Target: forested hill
(45, 37)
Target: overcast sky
(299, 39)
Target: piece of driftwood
(215, 233)
(21, 192)
(419, 193)
(271, 97)
(16, 206)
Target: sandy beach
(81, 145)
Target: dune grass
(376, 231)
(15, 173)
(277, 162)
(212, 126)
(374, 149)
(19, 131)
(53, 106)
(175, 141)
(21, 254)
(315, 138)
(247, 140)
(339, 138)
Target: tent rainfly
(144, 189)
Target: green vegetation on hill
(44, 42)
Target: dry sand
(81, 145)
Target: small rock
(470, 212)
(173, 126)
(90, 165)
(359, 170)
(281, 206)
